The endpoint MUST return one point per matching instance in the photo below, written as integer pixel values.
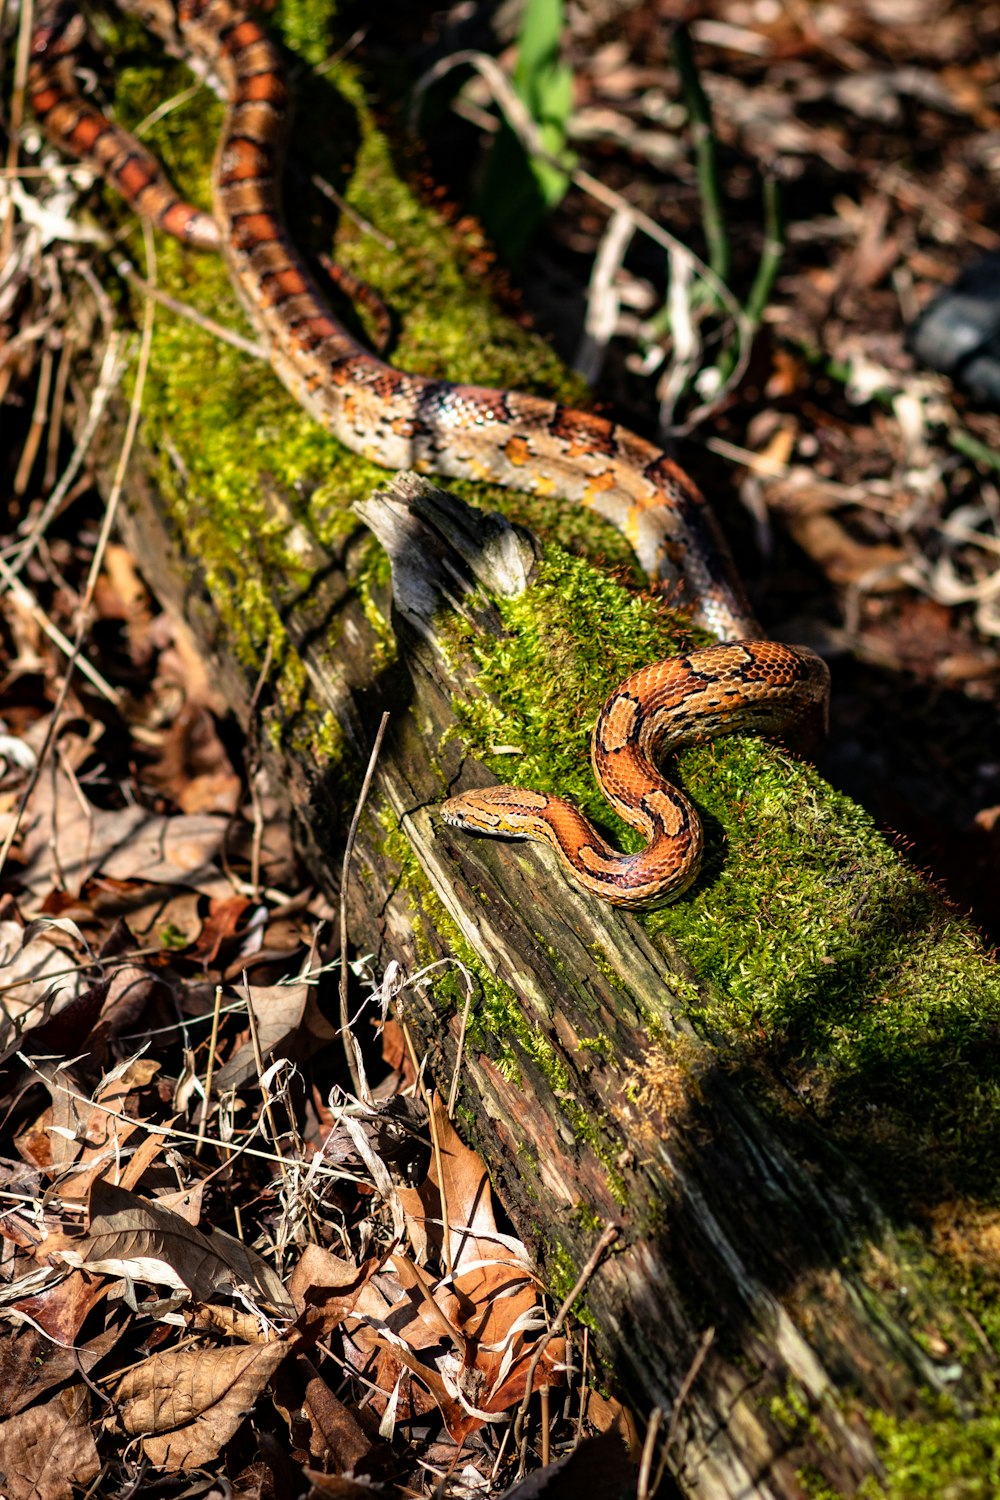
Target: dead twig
(607, 1239)
(345, 1023)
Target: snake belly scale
(402, 420)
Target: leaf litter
(217, 1259)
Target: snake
(521, 441)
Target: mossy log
(601, 1079)
(784, 1089)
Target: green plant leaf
(519, 189)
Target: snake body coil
(403, 420)
(760, 687)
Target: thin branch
(128, 272)
(706, 160)
(352, 833)
(771, 253)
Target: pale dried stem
(345, 1021)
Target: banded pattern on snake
(402, 420)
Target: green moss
(561, 1273)
(586, 1219)
(952, 1457)
(815, 1487)
(794, 1416)
(602, 1046)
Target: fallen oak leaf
(186, 1404)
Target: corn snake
(400, 420)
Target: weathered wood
(619, 1110)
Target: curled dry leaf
(187, 1403)
(337, 1439)
(465, 1337)
(130, 1236)
(79, 1140)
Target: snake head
(506, 811)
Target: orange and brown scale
(409, 421)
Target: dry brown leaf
(133, 988)
(160, 911)
(436, 1390)
(336, 1487)
(332, 1289)
(86, 1139)
(31, 1365)
(122, 595)
(472, 1228)
(220, 926)
(130, 1236)
(605, 1414)
(287, 1020)
(337, 1436)
(47, 1451)
(191, 764)
(60, 1308)
(413, 1279)
(476, 1325)
(34, 963)
(234, 1322)
(64, 843)
(188, 1403)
